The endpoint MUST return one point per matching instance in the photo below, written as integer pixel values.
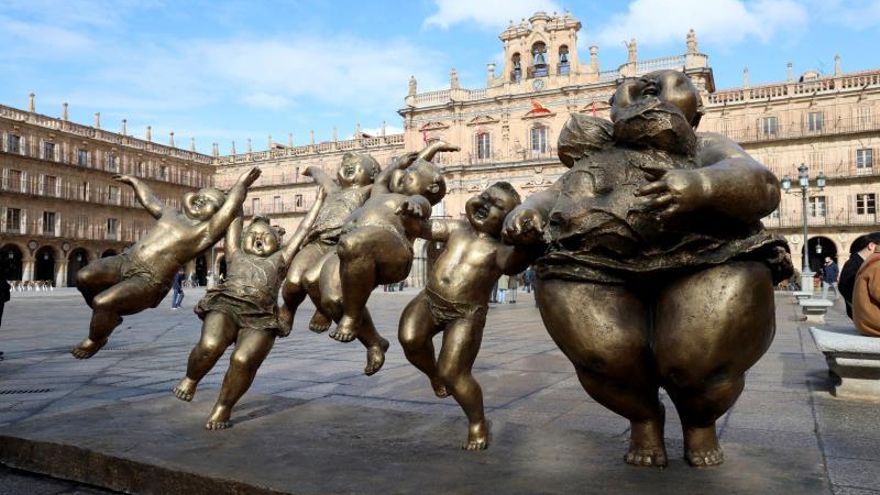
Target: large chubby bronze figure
(657, 270)
(140, 278)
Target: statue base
(282, 445)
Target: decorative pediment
(538, 111)
(434, 126)
(482, 120)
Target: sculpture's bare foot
(701, 448)
(219, 419)
(478, 436)
(646, 445)
(87, 348)
(186, 389)
(346, 330)
(375, 357)
(439, 388)
(319, 323)
(285, 318)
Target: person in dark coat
(860, 249)
(177, 290)
(830, 272)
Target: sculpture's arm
(381, 182)
(526, 223)
(292, 246)
(144, 195)
(214, 228)
(514, 259)
(232, 242)
(439, 229)
(322, 179)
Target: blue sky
(222, 71)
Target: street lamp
(804, 184)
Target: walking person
(503, 284)
(4, 296)
(829, 277)
(177, 288)
(512, 288)
(529, 278)
(859, 251)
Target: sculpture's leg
(461, 343)
(293, 292)
(603, 330)
(218, 333)
(320, 322)
(98, 276)
(415, 333)
(251, 348)
(125, 298)
(711, 327)
(369, 256)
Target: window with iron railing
(255, 206)
(539, 139)
(48, 150)
(864, 161)
(483, 145)
(112, 228)
(298, 200)
(13, 181)
(769, 126)
(815, 120)
(817, 206)
(49, 222)
(13, 220)
(276, 204)
(13, 143)
(111, 163)
(113, 195)
(866, 204)
(82, 157)
(50, 185)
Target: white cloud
(377, 131)
(852, 14)
(487, 13)
(716, 22)
(266, 100)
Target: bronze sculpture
(140, 278)
(243, 310)
(354, 179)
(456, 298)
(657, 270)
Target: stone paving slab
(315, 447)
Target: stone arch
(12, 261)
(827, 247)
(201, 270)
(45, 261)
(221, 265)
(76, 261)
(108, 252)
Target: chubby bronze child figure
(658, 271)
(243, 310)
(354, 179)
(140, 278)
(456, 298)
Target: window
(141, 169)
(13, 220)
(112, 228)
(298, 200)
(163, 172)
(276, 204)
(817, 206)
(255, 206)
(539, 139)
(563, 60)
(50, 185)
(866, 204)
(539, 59)
(483, 145)
(516, 72)
(14, 181)
(863, 118)
(769, 126)
(111, 162)
(48, 150)
(82, 157)
(13, 143)
(814, 121)
(113, 195)
(864, 161)
(83, 191)
(49, 222)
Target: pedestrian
(402, 285)
(494, 293)
(177, 288)
(529, 278)
(503, 284)
(829, 277)
(4, 296)
(512, 288)
(859, 250)
(194, 280)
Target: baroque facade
(506, 130)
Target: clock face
(538, 84)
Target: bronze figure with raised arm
(657, 270)
(140, 278)
(243, 310)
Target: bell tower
(541, 52)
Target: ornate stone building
(60, 208)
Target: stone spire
(837, 71)
(357, 130)
(97, 120)
(149, 134)
(312, 137)
(594, 58)
(692, 42)
(290, 139)
(632, 52)
(453, 79)
(32, 107)
(334, 134)
(383, 128)
(412, 86)
(215, 149)
(789, 73)
(233, 147)
(746, 78)
(250, 149)
(269, 143)
(490, 73)
(124, 127)
(64, 115)
(192, 144)
(171, 139)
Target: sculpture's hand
(413, 208)
(250, 176)
(405, 160)
(524, 225)
(674, 193)
(309, 172)
(125, 179)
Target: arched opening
(819, 248)
(11, 262)
(76, 261)
(44, 264)
(516, 71)
(433, 252)
(221, 266)
(539, 59)
(564, 66)
(201, 270)
(107, 253)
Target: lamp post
(804, 183)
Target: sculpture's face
(668, 86)
(354, 171)
(487, 211)
(418, 178)
(203, 204)
(260, 239)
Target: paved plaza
(785, 409)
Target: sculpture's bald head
(668, 86)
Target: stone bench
(815, 309)
(800, 295)
(853, 359)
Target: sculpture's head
(659, 109)
(260, 238)
(487, 211)
(202, 205)
(422, 178)
(357, 169)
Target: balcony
(71, 192)
(76, 231)
(829, 128)
(283, 209)
(843, 169)
(831, 218)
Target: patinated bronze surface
(456, 298)
(141, 277)
(243, 310)
(657, 271)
